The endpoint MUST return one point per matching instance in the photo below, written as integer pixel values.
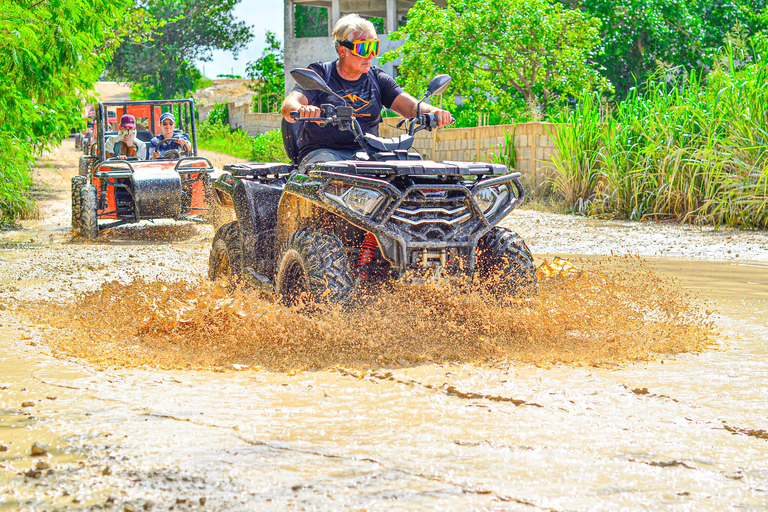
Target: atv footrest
(259, 169)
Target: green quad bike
(324, 230)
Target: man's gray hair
(351, 27)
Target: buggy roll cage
(183, 110)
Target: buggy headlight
(362, 200)
(489, 198)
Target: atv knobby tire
(77, 184)
(89, 220)
(225, 261)
(505, 264)
(313, 263)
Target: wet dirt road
(687, 432)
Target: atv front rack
(410, 168)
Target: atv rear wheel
(77, 183)
(225, 261)
(313, 263)
(505, 263)
(89, 220)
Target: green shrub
(267, 147)
(694, 150)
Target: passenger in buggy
(125, 145)
(170, 142)
(365, 87)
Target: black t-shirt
(363, 95)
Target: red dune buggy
(109, 192)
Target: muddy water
(683, 432)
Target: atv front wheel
(77, 183)
(505, 263)
(225, 261)
(313, 263)
(89, 220)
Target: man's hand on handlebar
(444, 118)
(306, 111)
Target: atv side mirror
(309, 80)
(438, 85)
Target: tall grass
(692, 149)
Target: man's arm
(296, 101)
(405, 105)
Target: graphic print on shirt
(356, 102)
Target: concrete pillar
(288, 38)
(335, 12)
(391, 16)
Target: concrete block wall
(533, 144)
(240, 116)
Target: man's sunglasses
(364, 48)
(167, 123)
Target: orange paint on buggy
(198, 203)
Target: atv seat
(382, 144)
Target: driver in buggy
(365, 87)
(170, 142)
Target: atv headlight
(489, 198)
(364, 201)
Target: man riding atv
(365, 87)
(352, 209)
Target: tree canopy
(187, 31)
(268, 74)
(497, 49)
(52, 52)
(639, 35)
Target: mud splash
(605, 314)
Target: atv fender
(256, 206)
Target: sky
(262, 15)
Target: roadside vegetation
(162, 66)
(682, 147)
(52, 52)
(216, 135)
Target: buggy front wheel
(89, 220)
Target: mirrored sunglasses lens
(367, 48)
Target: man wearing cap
(365, 87)
(125, 144)
(169, 138)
